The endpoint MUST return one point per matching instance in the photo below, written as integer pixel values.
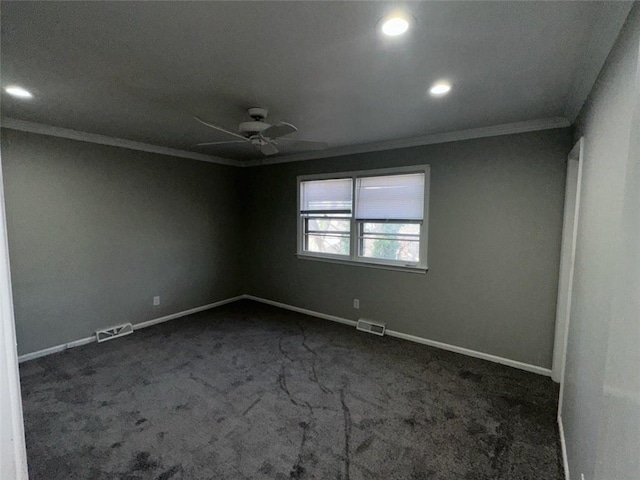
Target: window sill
(382, 266)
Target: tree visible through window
(328, 235)
(391, 241)
(388, 247)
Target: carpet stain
(347, 434)
(467, 375)
(267, 468)
(411, 422)
(250, 407)
(170, 473)
(476, 428)
(142, 462)
(500, 447)
(364, 446)
(297, 472)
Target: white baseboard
(563, 446)
(137, 326)
(325, 316)
(311, 313)
(56, 349)
(413, 338)
(184, 313)
(472, 353)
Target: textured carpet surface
(249, 391)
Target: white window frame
(353, 258)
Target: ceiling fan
(261, 134)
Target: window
(375, 217)
(325, 207)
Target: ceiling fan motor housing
(258, 125)
(252, 128)
(258, 113)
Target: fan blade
(268, 149)
(278, 130)
(219, 143)
(215, 127)
(305, 144)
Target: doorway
(567, 259)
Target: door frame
(575, 165)
(13, 453)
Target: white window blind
(390, 197)
(320, 197)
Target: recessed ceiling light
(439, 89)
(395, 26)
(19, 92)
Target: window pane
(319, 196)
(334, 244)
(327, 235)
(390, 241)
(390, 197)
(328, 225)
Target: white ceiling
(141, 70)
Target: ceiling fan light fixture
(394, 26)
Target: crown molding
(474, 133)
(493, 131)
(43, 129)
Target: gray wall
(95, 232)
(495, 226)
(601, 400)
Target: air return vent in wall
(114, 332)
(370, 326)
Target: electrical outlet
(156, 301)
(356, 303)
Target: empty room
(320, 240)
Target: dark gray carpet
(249, 391)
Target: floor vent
(114, 332)
(371, 327)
